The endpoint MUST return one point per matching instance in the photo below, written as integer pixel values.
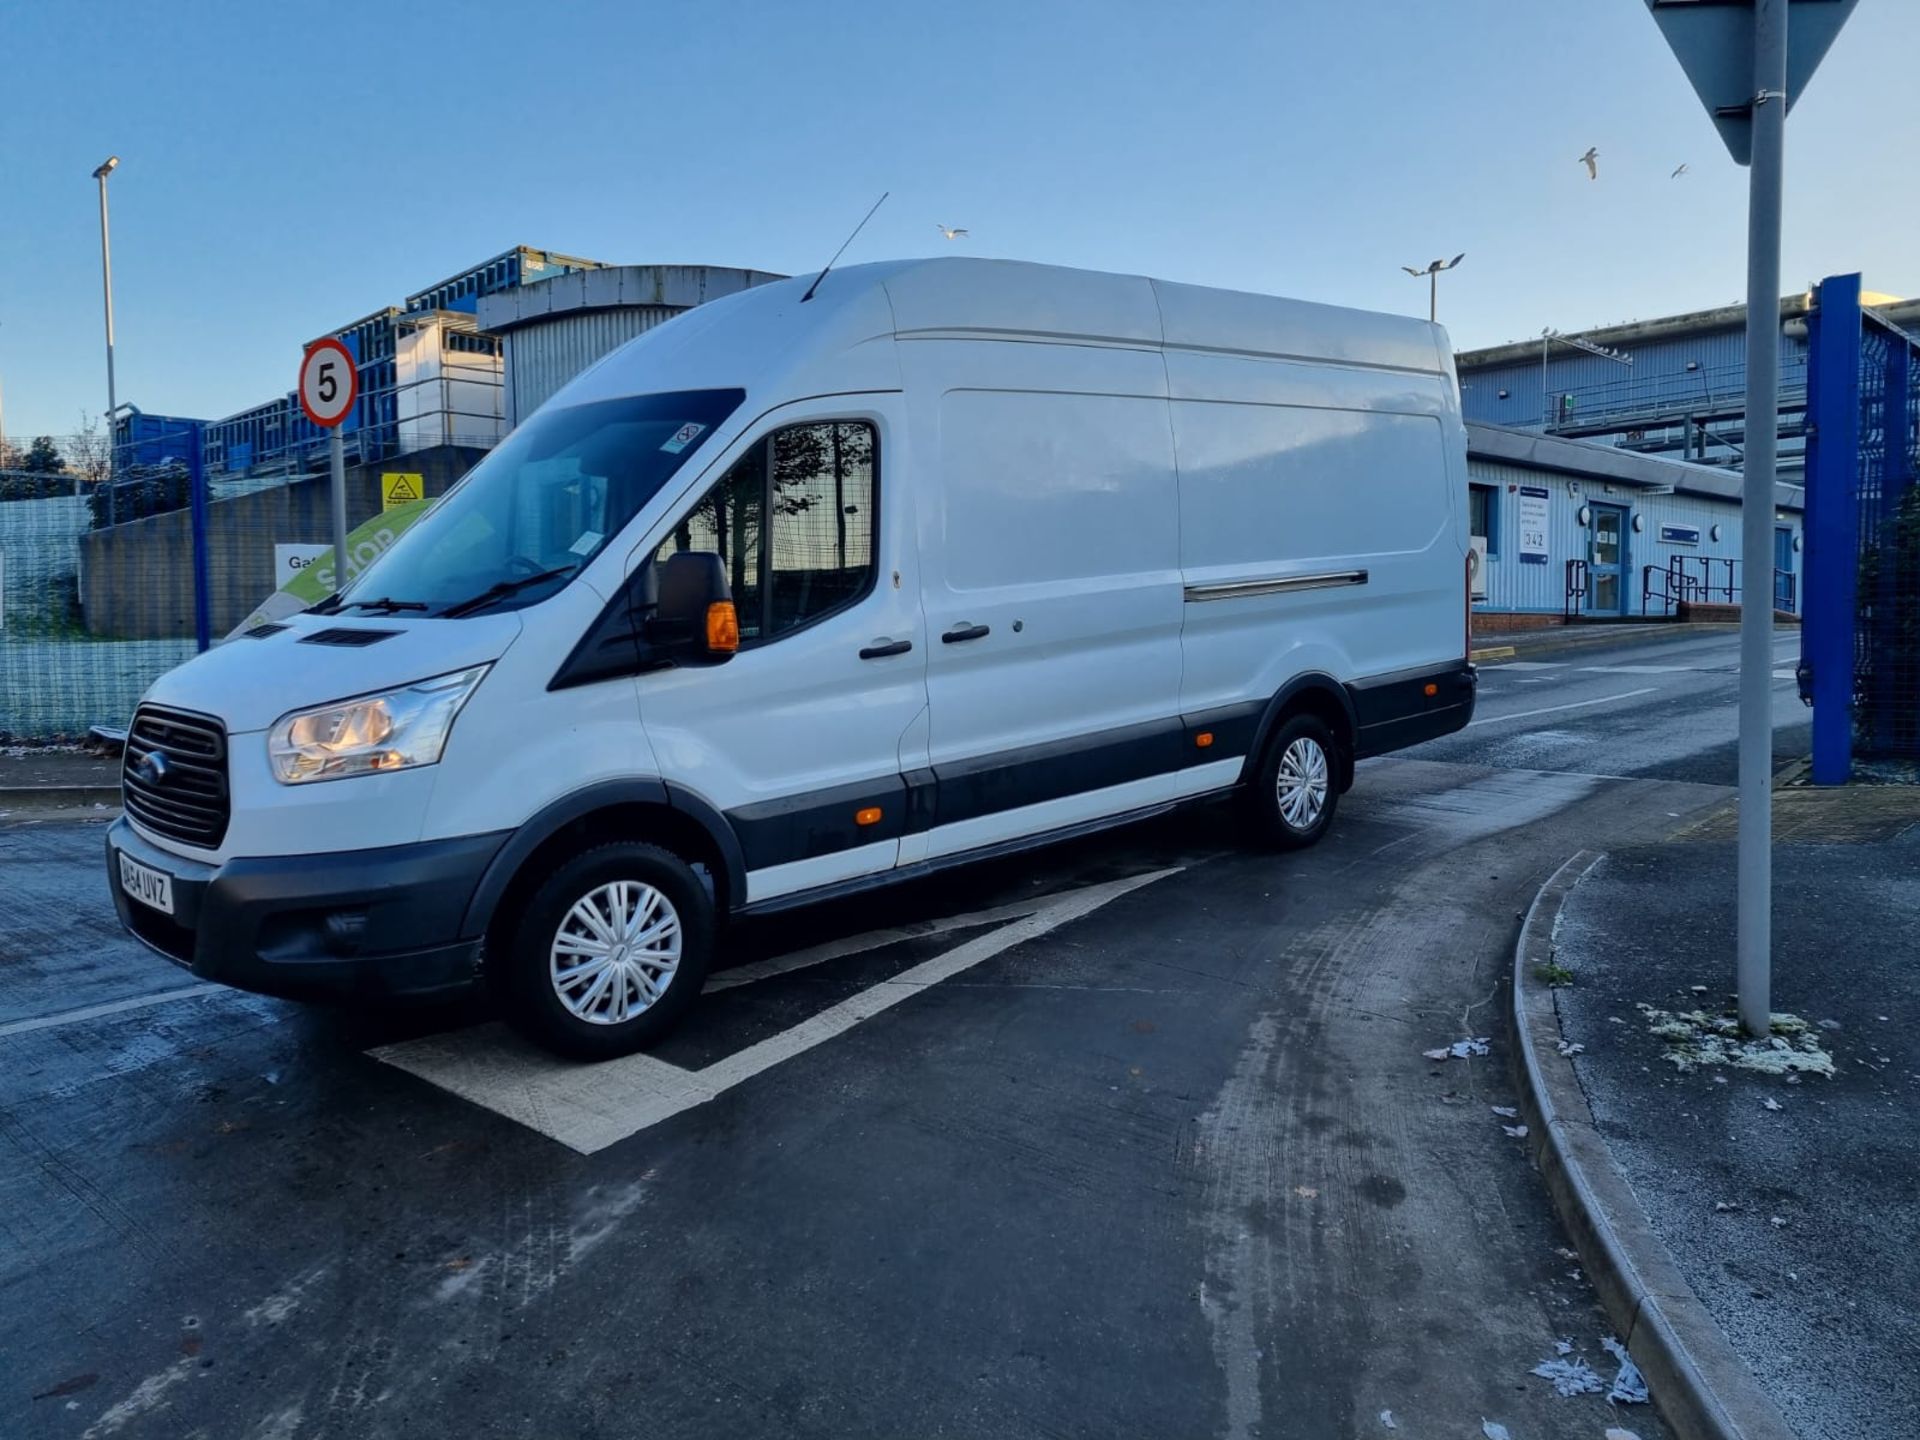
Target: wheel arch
(649, 810)
(1313, 693)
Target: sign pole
(1754, 945)
(337, 466)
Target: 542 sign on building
(1533, 524)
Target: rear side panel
(1317, 529)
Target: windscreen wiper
(500, 589)
(385, 602)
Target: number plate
(147, 885)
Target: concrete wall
(136, 580)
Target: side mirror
(693, 620)
(679, 613)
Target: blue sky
(288, 168)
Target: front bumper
(366, 923)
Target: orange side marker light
(723, 628)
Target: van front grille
(173, 779)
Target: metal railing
(1706, 580)
(1578, 584)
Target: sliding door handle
(880, 649)
(964, 632)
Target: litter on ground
(1494, 1430)
(1563, 1347)
(1459, 1050)
(1772, 1104)
(1386, 1419)
(1570, 1376)
(1518, 1132)
(1695, 1038)
(1629, 1386)
(1614, 1432)
(1569, 1049)
(1506, 1111)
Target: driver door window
(794, 523)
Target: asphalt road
(1131, 1137)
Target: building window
(1482, 509)
(817, 483)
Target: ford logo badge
(152, 767)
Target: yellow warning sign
(400, 487)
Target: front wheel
(609, 952)
(1294, 793)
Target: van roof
(964, 296)
(767, 342)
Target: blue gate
(1860, 648)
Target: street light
(105, 169)
(1432, 272)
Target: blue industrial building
(276, 438)
(1635, 433)
(1674, 387)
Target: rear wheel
(609, 952)
(1292, 797)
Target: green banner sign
(316, 581)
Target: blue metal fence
(1860, 665)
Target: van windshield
(530, 516)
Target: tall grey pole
(106, 286)
(1754, 947)
(337, 465)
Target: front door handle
(880, 649)
(964, 632)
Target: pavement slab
(1790, 1204)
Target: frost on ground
(1694, 1038)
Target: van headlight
(397, 730)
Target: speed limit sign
(328, 383)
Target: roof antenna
(843, 245)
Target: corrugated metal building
(553, 330)
(1683, 395)
(1627, 534)
(276, 436)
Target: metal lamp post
(1432, 272)
(106, 168)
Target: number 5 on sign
(329, 383)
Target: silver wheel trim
(615, 953)
(1300, 785)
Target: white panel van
(794, 596)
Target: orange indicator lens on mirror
(723, 627)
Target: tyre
(1292, 796)
(609, 952)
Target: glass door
(1606, 561)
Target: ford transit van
(794, 596)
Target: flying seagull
(1679, 170)
(950, 231)
(1592, 161)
